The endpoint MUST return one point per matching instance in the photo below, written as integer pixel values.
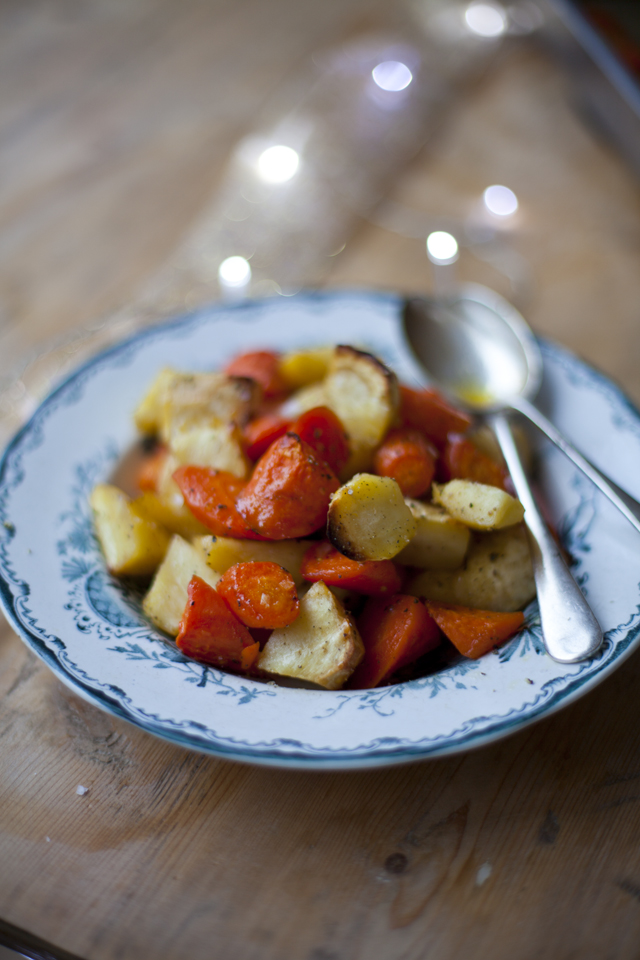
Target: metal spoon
(480, 351)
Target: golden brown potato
(132, 542)
(204, 441)
(197, 395)
(146, 416)
(321, 646)
(222, 552)
(368, 518)
(165, 602)
(174, 394)
(439, 543)
(478, 505)
(364, 394)
(299, 368)
(496, 575)
(305, 399)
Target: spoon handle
(569, 629)
(625, 503)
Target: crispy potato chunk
(132, 542)
(196, 395)
(299, 368)
(223, 552)
(165, 602)
(322, 646)
(146, 416)
(364, 394)
(478, 505)
(174, 394)
(204, 441)
(305, 399)
(439, 543)
(369, 519)
(497, 574)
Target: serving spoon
(480, 351)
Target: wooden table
(117, 118)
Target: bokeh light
(442, 247)
(500, 201)
(392, 75)
(278, 164)
(485, 19)
(234, 272)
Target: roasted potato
(369, 519)
(132, 542)
(174, 394)
(205, 441)
(306, 398)
(478, 505)
(321, 646)
(439, 543)
(222, 552)
(299, 368)
(165, 602)
(196, 395)
(496, 575)
(364, 394)
(146, 416)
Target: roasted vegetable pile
(306, 516)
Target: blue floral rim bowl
(88, 627)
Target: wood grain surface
(115, 120)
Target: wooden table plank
(531, 842)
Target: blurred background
(157, 155)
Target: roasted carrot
(211, 496)
(263, 366)
(323, 430)
(289, 492)
(210, 632)
(474, 632)
(372, 577)
(463, 460)
(150, 468)
(263, 431)
(395, 632)
(260, 593)
(407, 457)
(427, 410)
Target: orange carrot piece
(323, 430)
(395, 632)
(427, 410)
(211, 633)
(373, 577)
(289, 492)
(474, 632)
(262, 432)
(465, 461)
(211, 496)
(263, 366)
(260, 593)
(150, 468)
(407, 457)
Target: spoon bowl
(476, 346)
